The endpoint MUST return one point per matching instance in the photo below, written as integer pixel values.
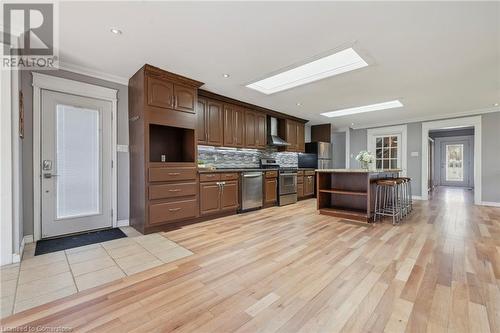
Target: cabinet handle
(175, 190)
(173, 173)
(174, 209)
(210, 175)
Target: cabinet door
(250, 129)
(300, 190)
(271, 190)
(160, 93)
(209, 198)
(301, 145)
(308, 185)
(229, 195)
(291, 135)
(215, 116)
(201, 115)
(239, 125)
(229, 130)
(261, 131)
(184, 98)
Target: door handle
(173, 173)
(174, 209)
(175, 190)
(49, 175)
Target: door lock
(49, 175)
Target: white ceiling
(438, 58)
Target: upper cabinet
(250, 129)
(261, 130)
(170, 91)
(160, 93)
(210, 115)
(234, 126)
(292, 132)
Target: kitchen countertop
(242, 170)
(357, 170)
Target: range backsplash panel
(243, 158)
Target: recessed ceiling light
(362, 109)
(299, 104)
(116, 31)
(226, 75)
(496, 104)
(334, 64)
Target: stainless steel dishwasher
(251, 190)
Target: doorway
(76, 164)
(451, 155)
(74, 156)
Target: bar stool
(406, 197)
(387, 199)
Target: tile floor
(45, 278)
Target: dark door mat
(69, 242)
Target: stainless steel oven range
(287, 186)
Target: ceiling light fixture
(334, 64)
(496, 104)
(116, 31)
(366, 108)
(226, 75)
(299, 104)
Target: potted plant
(365, 158)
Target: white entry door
(455, 163)
(76, 164)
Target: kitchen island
(349, 193)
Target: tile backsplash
(244, 158)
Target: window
(387, 152)
(454, 162)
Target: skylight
(334, 64)
(361, 109)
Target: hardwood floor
(288, 269)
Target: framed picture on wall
(21, 115)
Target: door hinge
(112, 164)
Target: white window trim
(402, 130)
(54, 83)
(467, 121)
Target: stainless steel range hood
(273, 138)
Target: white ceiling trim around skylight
(362, 109)
(334, 64)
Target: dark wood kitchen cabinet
(270, 188)
(210, 115)
(308, 185)
(234, 122)
(163, 178)
(292, 132)
(164, 91)
(218, 193)
(255, 129)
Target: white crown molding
(92, 73)
(430, 118)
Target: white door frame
(49, 82)
(387, 131)
(450, 123)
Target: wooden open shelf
(348, 213)
(345, 192)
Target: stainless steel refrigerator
(324, 152)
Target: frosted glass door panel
(455, 162)
(78, 165)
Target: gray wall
(358, 143)
(490, 154)
(490, 172)
(27, 158)
(338, 146)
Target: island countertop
(357, 170)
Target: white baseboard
(16, 257)
(416, 197)
(490, 203)
(122, 223)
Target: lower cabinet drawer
(309, 173)
(209, 177)
(167, 174)
(172, 211)
(229, 176)
(271, 174)
(172, 190)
